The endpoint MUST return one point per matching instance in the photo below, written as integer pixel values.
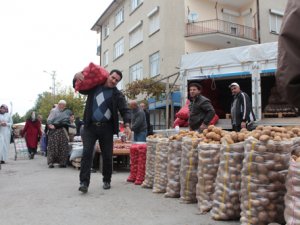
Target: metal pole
(167, 103)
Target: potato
(264, 138)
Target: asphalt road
(33, 194)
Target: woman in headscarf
(58, 123)
(32, 132)
(5, 132)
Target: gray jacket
(201, 111)
(138, 121)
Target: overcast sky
(44, 35)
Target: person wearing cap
(101, 122)
(5, 132)
(201, 109)
(241, 108)
(58, 123)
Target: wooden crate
(279, 115)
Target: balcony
(216, 31)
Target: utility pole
(53, 75)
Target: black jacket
(201, 111)
(119, 104)
(243, 109)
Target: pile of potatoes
(173, 169)
(188, 170)
(184, 133)
(209, 158)
(161, 157)
(212, 135)
(150, 162)
(264, 172)
(265, 133)
(226, 199)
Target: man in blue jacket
(101, 122)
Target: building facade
(146, 38)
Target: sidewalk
(33, 194)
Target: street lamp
(52, 74)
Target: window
(105, 58)
(119, 48)
(275, 21)
(119, 17)
(136, 35)
(154, 64)
(136, 72)
(106, 31)
(135, 4)
(154, 23)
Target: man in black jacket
(101, 122)
(201, 109)
(241, 108)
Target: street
(33, 194)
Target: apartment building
(146, 38)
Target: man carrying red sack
(201, 109)
(101, 122)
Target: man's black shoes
(83, 188)
(106, 185)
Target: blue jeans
(140, 136)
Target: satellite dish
(193, 17)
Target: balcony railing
(220, 26)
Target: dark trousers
(236, 128)
(104, 134)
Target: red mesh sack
(140, 176)
(134, 157)
(180, 122)
(214, 120)
(184, 112)
(93, 76)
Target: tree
(46, 100)
(17, 118)
(147, 86)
